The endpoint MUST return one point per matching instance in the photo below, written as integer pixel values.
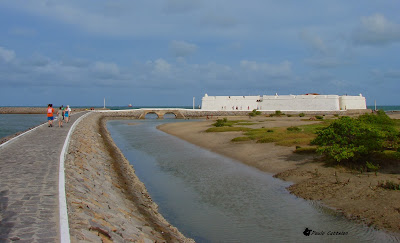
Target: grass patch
(305, 150)
(241, 139)
(245, 123)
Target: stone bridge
(161, 112)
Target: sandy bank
(106, 201)
(354, 194)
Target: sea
(15, 123)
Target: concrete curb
(64, 226)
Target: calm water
(13, 123)
(212, 198)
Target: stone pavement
(29, 166)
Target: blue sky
(165, 52)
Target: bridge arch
(161, 112)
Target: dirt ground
(353, 193)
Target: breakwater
(106, 201)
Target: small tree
(349, 139)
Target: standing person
(50, 112)
(60, 114)
(67, 114)
(62, 108)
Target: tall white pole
(375, 104)
(193, 102)
(104, 102)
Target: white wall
(283, 102)
(300, 103)
(229, 103)
(352, 102)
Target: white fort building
(307, 102)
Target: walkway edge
(64, 226)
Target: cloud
(181, 48)
(105, 70)
(386, 74)
(181, 6)
(314, 41)
(6, 55)
(376, 30)
(325, 62)
(21, 31)
(272, 70)
(219, 20)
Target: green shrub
(293, 129)
(305, 150)
(389, 185)
(319, 117)
(336, 115)
(302, 114)
(255, 113)
(240, 139)
(349, 139)
(372, 167)
(219, 123)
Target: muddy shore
(354, 194)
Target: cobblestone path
(29, 166)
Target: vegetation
(240, 139)
(255, 113)
(355, 139)
(302, 114)
(389, 185)
(225, 123)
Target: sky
(165, 52)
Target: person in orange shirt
(50, 112)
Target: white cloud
(272, 70)
(376, 30)
(181, 48)
(161, 67)
(6, 55)
(314, 41)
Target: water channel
(212, 198)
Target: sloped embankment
(106, 201)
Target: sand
(354, 194)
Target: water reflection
(212, 198)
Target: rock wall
(106, 201)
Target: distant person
(67, 114)
(50, 112)
(62, 108)
(60, 114)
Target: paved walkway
(29, 166)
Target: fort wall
(311, 102)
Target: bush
(319, 117)
(255, 113)
(219, 123)
(293, 129)
(349, 139)
(389, 185)
(302, 115)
